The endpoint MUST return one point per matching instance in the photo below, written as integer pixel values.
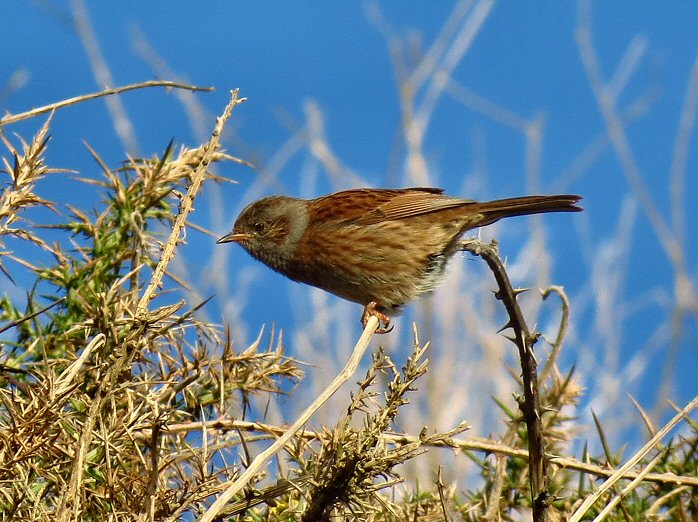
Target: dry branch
(529, 405)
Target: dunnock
(377, 247)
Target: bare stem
(14, 118)
(269, 431)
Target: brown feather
(410, 203)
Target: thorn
(518, 291)
(512, 339)
(508, 325)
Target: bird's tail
(495, 210)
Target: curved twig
(561, 331)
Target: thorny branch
(187, 204)
(529, 404)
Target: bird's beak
(233, 238)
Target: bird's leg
(371, 309)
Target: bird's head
(270, 228)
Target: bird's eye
(258, 227)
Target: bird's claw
(386, 329)
(371, 309)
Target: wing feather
(411, 202)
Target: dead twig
(14, 118)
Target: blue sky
(524, 60)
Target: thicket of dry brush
(114, 406)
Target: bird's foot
(371, 309)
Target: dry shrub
(107, 413)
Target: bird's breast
(391, 262)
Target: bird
(380, 248)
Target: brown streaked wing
(351, 205)
(348, 205)
(411, 202)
